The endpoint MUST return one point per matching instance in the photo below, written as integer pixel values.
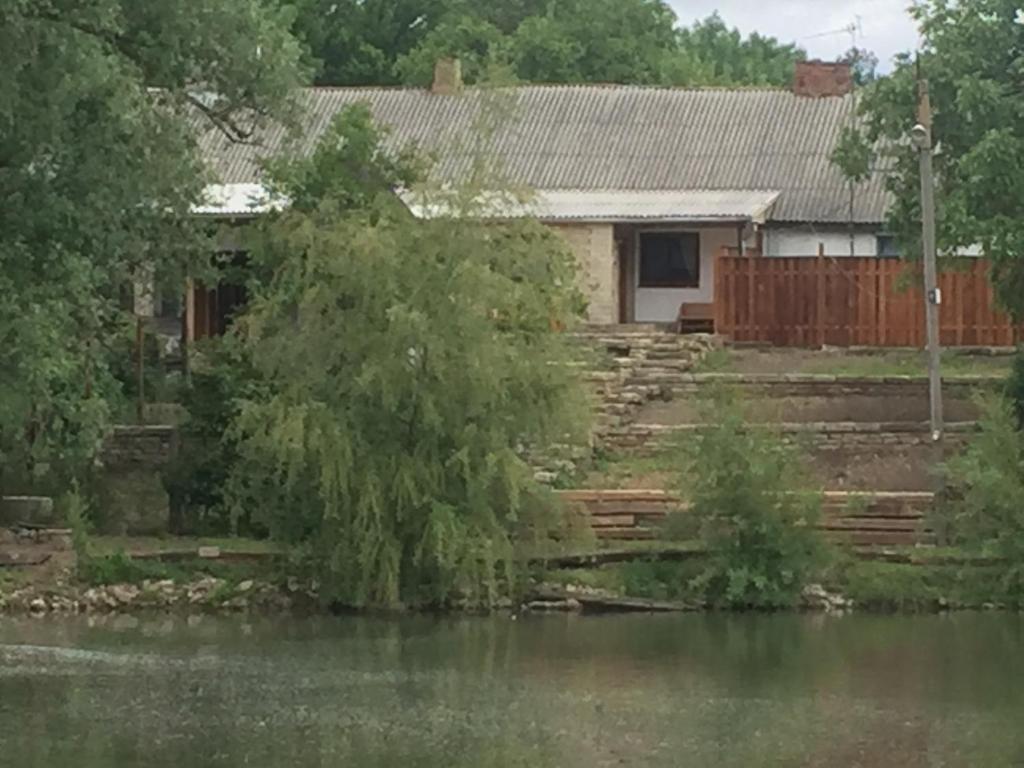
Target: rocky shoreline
(207, 594)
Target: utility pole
(922, 136)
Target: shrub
(988, 513)
(196, 481)
(1015, 388)
(755, 516)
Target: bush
(755, 517)
(988, 514)
(1015, 388)
(196, 482)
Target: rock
(568, 605)
(246, 586)
(209, 553)
(817, 597)
(123, 594)
(38, 605)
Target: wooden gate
(853, 301)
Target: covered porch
(650, 256)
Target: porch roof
(237, 200)
(711, 206)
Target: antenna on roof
(850, 29)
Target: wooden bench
(695, 318)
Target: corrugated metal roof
(597, 138)
(240, 199)
(614, 205)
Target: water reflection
(557, 691)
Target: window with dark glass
(887, 247)
(669, 260)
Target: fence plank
(816, 300)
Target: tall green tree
(712, 53)
(97, 173)
(612, 41)
(386, 42)
(357, 42)
(408, 365)
(973, 58)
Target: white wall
(797, 242)
(661, 305)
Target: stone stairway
(628, 366)
(850, 519)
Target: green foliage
(1015, 388)
(852, 155)
(864, 64)
(408, 367)
(386, 42)
(222, 377)
(478, 45)
(349, 167)
(972, 58)
(756, 520)
(989, 475)
(77, 513)
(712, 53)
(906, 587)
(97, 174)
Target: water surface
(545, 691)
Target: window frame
(670, 285)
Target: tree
(409, 364)
(864, 64)
(602, 41)
(97, 174)
(711, 53)
(358, 42)
(989, 477)
(478, 44)
(385, 42)
(972, 56)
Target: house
(648, 185)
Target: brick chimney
(447, 77)
(816, 79)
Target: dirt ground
(854, 408)
(28, 558)
(897, 469)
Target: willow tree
(409, 365)
(98, 170)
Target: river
(700, 690)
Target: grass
(120, 568)
(930, 583)
(895, 362)
(618, 470)
(108, 545)
(919, 587)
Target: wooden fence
(852, 301)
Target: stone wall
(629, 366)
(823, 385)
(818, 436)
(596, 254)
(624, 367)
(147, 446)
(132, 497)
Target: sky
(885, 27)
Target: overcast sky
(886, 28)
